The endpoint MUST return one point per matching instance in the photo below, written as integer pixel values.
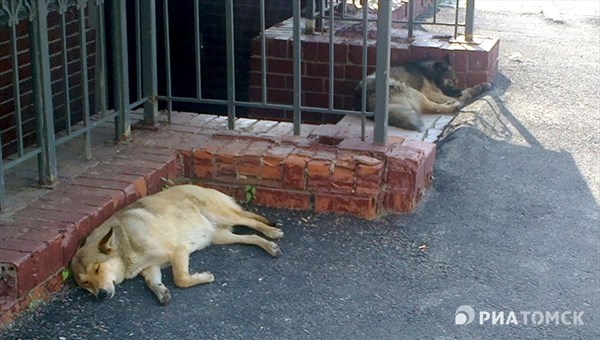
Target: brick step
(326, 169)
(39, 240)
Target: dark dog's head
(445, 77)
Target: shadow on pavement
(504, 227)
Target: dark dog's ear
(440, 66)
(106, 244)
(446, 58)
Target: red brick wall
(315, 71)
(474, 64)
(7, 100)
(214, 53)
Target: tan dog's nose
(102, 294)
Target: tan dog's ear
(106, 244)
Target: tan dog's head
(96, 267)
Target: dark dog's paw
(485, 86)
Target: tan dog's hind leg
(180, 262)
(268, 231)
(251, 220)
(224, 236)
(153, 278)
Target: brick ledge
(328, 169)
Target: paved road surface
(510, 224)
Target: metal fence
(114, 101)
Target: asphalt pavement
(510, 224)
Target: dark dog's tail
(400, 117)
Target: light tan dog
(162, 230)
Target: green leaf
(65, 274)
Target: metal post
(85, 92)
(469, 20)
(43, 93)
(101, 76)
(331, 53)
(297, 69)
(319, 21)
(138, 51)
(384, 24)
(62, 10)
(365, 46)
(263, 54)
(167, 58)
(456, 19)
(120, 69)
(12, 10)
(229, 37)
(309, 21)
(411, 18)
(149, 61)
(2, 184)
(198, 49)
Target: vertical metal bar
(198, 49)
(331, 56)
(13, 19)
(167, 58)
(365, 22)
(120, 69)
(297, 68)
(138, 50)
(17, 89)
(309, 22)
(2, 184)
(456, 19)
(384, 25)
(85, 92)
(230, 64)
(43, 93)
(319, 21)
(469, 20)
(101, 73)
(411, 18)
(65, 64)
(149, 61)
(435, 9)
(263, 53)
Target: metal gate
(57, 87)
